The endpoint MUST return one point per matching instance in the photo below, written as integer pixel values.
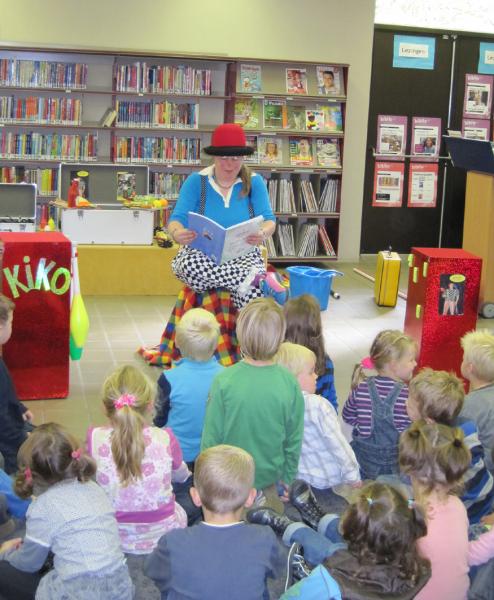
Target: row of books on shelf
(303, 152)
(41, 110)
(157, 149)
(252, 113)
(166, 184)
(46, 180)
(166, 79)
(157, 114)
(329, 80)
(282, 196)
(42, 73)
(48, 146)
(305, 245)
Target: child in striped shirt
(376, 406)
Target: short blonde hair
(197, 334)
(478, 350)
(439, 395)
(224, 477)
(295, 357)
(261, 328)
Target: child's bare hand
(28, 416)
(9, 544)
(283, 491)
(488, 519)
(356, 484)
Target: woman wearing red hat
(228, 193)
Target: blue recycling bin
(310, 280)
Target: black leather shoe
(302, 497)
(267, 516)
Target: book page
(210, 236)
(235, 238)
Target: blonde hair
(197, 334)
(439, 395)
(224, 477)
(295, 358)
(6, 307)
(261, 328)
(388, 345)
(129, 420)
(478, 349)
(434, 455)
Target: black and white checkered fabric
(199, 272)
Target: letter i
(29, 273)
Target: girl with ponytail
(436, 458)
(69, 516)
(137, 462)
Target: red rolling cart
(442, 304)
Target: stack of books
(329, 196)
(286, 239)
(309, 202)
(307, 240)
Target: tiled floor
(120, 324)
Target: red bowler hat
(228, 140)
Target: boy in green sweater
(257, 405)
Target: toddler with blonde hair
(136, 462)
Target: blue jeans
(319, 544)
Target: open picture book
(220, 244)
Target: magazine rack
(477, 158)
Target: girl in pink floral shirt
(136, 462)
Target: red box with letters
(442, 304)
(36, 275)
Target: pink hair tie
(28, 476)
(366, 363)
(76, 454)
(124, 400)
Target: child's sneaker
(297, 568)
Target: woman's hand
(256, 238)
(184, 236)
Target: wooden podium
(477, 157)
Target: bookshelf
(63, 106)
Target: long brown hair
(127, 397)
(382, 527)
(50, 455)
(304, 327)
(246, 177)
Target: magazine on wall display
(250, 78)
(296, 81)
(333, 120)
(478, 96)
(220, 244)
(126, 185)
(328, 152)
(475, 129)
(251, 141)
(296, 117)
(388, 184)
(270, 150)
(422, 185)
(301, 152)
(391, 136)
(247, 113)
(314, 120)
(426, 137)
(275, 114)
(329, 81)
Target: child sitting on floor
(136, 463)
(437, 397)
(326, 458)
(478, 368)
(376, 406)
(15, 417)
(223, 557)
(183, 391)
(304, 327)
(72, 517)
(257, 405)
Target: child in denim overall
(376, 406)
